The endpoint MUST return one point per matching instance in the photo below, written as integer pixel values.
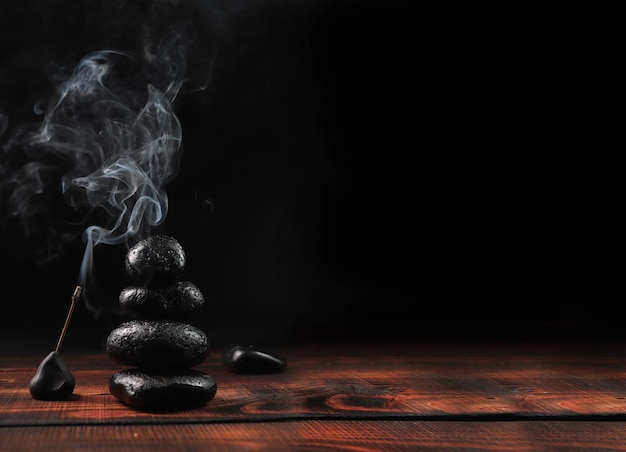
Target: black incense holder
(53, 379)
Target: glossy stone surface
(157, 344)
(164, 390)
(53, 380)
(179, 301)
(247, 359)
(157, 260)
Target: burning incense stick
(75, 297)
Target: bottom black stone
(163, 390)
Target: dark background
(352, 170)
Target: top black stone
(156, 261)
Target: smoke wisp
(109, 140)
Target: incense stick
(75, 297)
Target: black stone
(164, 390)
(157, 260)
(251, 360)
(179, 301)
(53, 380)
(157, 344)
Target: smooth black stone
(157, 260)
(179, 301)
(163, 390)
(157, 344)
(250, 360)
(53, 380)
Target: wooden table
(349, 396)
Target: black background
(353, 170)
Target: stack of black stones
(160, 341)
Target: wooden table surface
(350, 396)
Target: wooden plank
(402, 381)
(323, 435)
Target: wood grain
(400, 382)
(359, 397)
(326, 435)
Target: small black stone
(157, 344)
(157, 260)
(251, 360)
(165, 390)
(53, 380)
(179, 301)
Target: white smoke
(109, 140)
